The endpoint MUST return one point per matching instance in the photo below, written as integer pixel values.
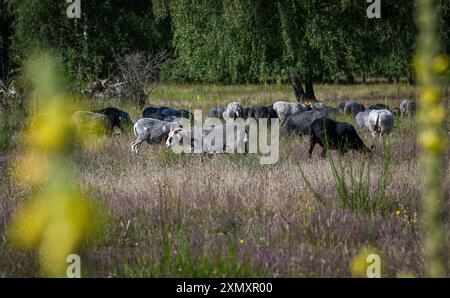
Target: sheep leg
(135, 145)
(312, 143)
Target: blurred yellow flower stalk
(431, 67)
(59, 217)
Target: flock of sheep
(163, 123)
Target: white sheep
(234, 110)
(381, 121)
(285, 109)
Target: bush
(353, 184)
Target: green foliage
(178, 258)
(223, 41)
(88, 44)
(6, 133)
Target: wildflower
(432, 141)
(241, 241)
(435, 114)
(430, 95)
(440, 65)
(360, 263)
(398, 212)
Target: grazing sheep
(165, 113)
(117, 118)
(350, 107)
(151, 131)
(214, 140)
(259, 112)
(376, 121)
(381, 121)
(407, 108)
(379, 106)
(319, 106)
(333, 135)
(362, 119)
(169, 112)
(234, 110)
(90, 123)
(216, 113)
(285, 109)
(300, 123)
(245, 114)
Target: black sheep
(333, 135)
(117, 118)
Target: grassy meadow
(170, 215)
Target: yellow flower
(440, 64)
(436, 114)
(398, 212)
(50, 131)
(360, 263)
(241, 241)
(30, 221)
(432, 141)
(430, 95)
(55, 223)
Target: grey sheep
(351, 107)
(407, 108)
(151, 131)
(91, 123)
(234, 110)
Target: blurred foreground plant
(431, 66)
(59, 216)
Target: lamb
(407, 108)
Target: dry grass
(229, 215)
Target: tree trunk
(390, 80)
(298, 89)
(410, 78)
(364, 79)
(350, 78)
(310, 91)
(5, 44)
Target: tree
(6, 31)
